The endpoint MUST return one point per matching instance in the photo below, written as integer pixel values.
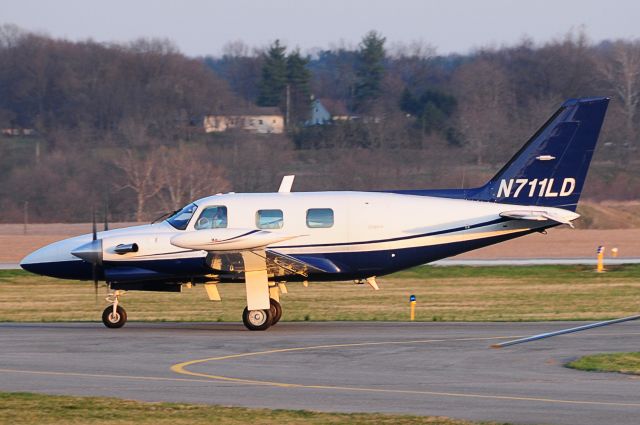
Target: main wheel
(257, 320)
(276, 311)
(112, 320)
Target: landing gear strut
(114, 316)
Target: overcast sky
(201, 27)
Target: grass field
(27, 408)
(618, 362)
(443, 294)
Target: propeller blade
(106, 220)
(95, 230)
(94, 275)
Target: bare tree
(187, 174)
(141, 174)
(484, 100)
(620, 67)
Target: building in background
(325, 111)
(261, 120)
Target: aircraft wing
(229, 240)
(562, 217)
(230, 249)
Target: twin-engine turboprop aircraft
(267, 239)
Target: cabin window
(212, 218)
(319, 217)
(269, 219)
(180, 219)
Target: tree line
(121, 124)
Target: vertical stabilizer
(551, 167)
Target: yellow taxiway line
(181, 368)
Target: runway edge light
(600, 253)
(412, 304)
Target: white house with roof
(261, 120)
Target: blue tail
(551, 167)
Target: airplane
(269, 239)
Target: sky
(200, 27)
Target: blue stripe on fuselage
(352, 265)
(401, 238)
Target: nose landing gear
(114, 316)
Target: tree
(485, 103)
(298, 78)
(369, 70)
(620, 68)
(274, 76)
(187, 174)
(141, 174)
(431, 109)
(241, 67)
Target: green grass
(616, 362)
(516, 293)
(27, 408)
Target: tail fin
(551, 167)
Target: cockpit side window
(212, 218)
(181, 219)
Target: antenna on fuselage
(286, 183)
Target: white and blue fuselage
(370, 234)
(345, 235)
(260, 238)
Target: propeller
(94, 265)
(91, 252)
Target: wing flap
(277, 264)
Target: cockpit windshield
(180, 219)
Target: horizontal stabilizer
(562, 216)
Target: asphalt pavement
(444, 369)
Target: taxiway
(415, 368)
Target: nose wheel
(114, 316)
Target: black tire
(276, 311)
(257, 320)
(114, 322)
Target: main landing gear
(114, 316)
(260, 320)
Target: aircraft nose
(55, 260)
(29, 262)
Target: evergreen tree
(274, 77)
(298, 78)
(369, 70)
(432, 110)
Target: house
(18, 132)
(260, 120)
(324, 111)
